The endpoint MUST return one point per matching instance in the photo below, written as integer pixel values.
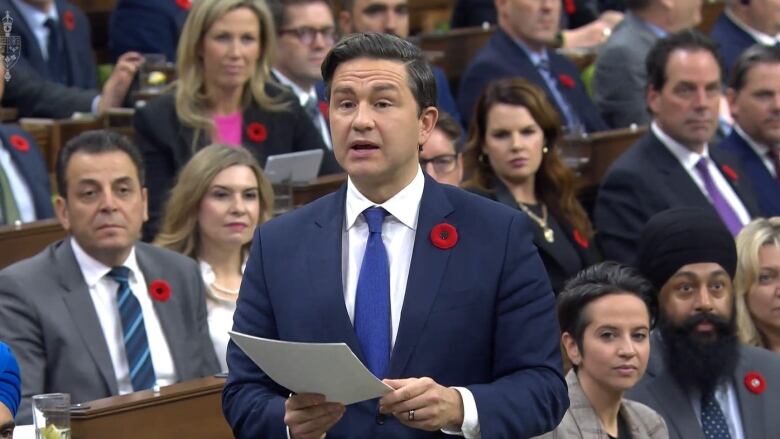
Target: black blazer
(648, 179)
(767, 187)
(166, 144)
(550, 254)
(34, 96)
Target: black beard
(700, 361)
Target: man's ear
(731, 98)
(61, 210)
(428, 120)
(145, 198)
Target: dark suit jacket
(479, 315)
(146, 26)
(501, 57)
(81, 70)
(166, 144)
(549, 254)
(659, 390)
(48, 318)
(648, 179)
(766, 186)
(34, 96)
(32, 166)
(732, 41)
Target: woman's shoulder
(640, 416)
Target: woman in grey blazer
(606, 313)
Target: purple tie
(720, 204)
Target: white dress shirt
(303, 97)
(21, 190)
(729, 405)
(762, 151)
(688, 160)
(103, 290)
(760, 37)
(35, 19)
(398, 231)
(220, 314)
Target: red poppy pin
(19, 143)
(184, 4)
(160, 290)
(755, 382)
(68, 20)
(580, 240)
(569, 6)
(730, 173)
(324, 109)
(444, 236)
(256, 132)
(566, 80)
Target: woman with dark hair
(606, 313)
(511, 157)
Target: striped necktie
(139, 358)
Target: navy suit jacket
(81, 70)
(146, 26)
(645, 180)
(766, 187)
(732, 41)
(32, 167)
(479, 315)
(502, 57)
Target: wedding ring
(411, 415)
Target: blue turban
(10, 383)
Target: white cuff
(470, 427)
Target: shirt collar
(765, 39)
(760, 149)
(685, 156)
(34, 16)
(303, 95)
(657, 30)
(403, 206)
(536, 57)
(94, 270)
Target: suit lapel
(22, 28)
(324, 259)
(678, 181)
(168, 313)
(752, 407)
(82, 311)
(425, 274)
(70, 43)
(742, 189)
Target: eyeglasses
(307, 34)
(442, 164)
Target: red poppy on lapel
(324, 109)
(755, 382)
(730, 173)
(256, 132)
(444, 236)
(184, 4)
(569, 6)
(69, 20)
(160, 290)
(19, 143)
(580, 240)
(566, 80)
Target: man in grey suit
(699, 378)
(99, 313)
(620, 78)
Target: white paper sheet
(331, 369)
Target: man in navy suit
(392, 17)
(24, 170)
(742, 24)
(438, 291)
(673, 165)
(519, 48)
(754, 99)
(56, 40)
(147, 26)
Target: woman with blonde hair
(757, 284)
(220, 197)
(223, 95)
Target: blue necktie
(139, 357)
(372, 301)
(58, 71)
(713, 422)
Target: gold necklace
(548, 233)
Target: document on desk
(331, 369)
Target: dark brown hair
(554, 181)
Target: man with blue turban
(10, 390)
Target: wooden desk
(8, 114)
(52, 134)
(17, 243)
(429, 15)
(306, 193)
(454, 50)
(191, 409)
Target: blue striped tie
(139, 358)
